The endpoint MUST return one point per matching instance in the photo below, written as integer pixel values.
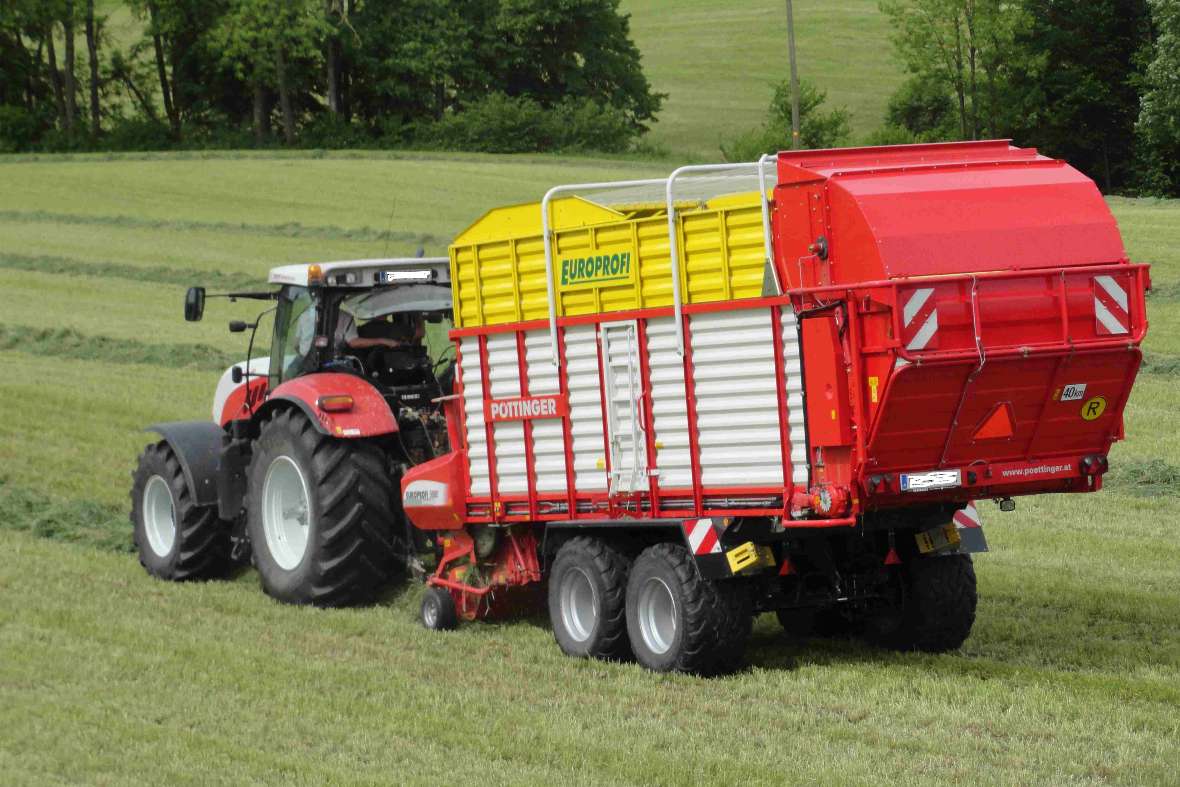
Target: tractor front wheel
(320, 515)
(177, 539)
(678, 621)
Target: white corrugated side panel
(796, 421)
(581, 360)
(548, 439)
(669, 407)
(477, 443)
(737, 403)
(504, 380)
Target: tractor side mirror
(194, 304)
(238, 326)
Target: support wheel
(587, 599)
(320, 515)
(438, 610)
(937, 607)
(679, 622)
(177, 539)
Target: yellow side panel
(603, 261)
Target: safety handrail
(547, 235)
(673, 251)
(674, 254)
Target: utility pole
(794, 78)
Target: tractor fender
(369, 415)
(197, 445)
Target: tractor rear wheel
(587, 599)
(936, 608)
(177, 539)
(320, 515)
(679, 622)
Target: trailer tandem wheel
(320, 515)
(587, 599)
(679, 622)
(177, 539)
(936, 610)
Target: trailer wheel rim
(657, 615)
(286, 512)
(579, 604)
(430, 612)
(159, 516)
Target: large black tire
(177, 539)
(587, 599)
(704, 631)
(936, 609)
(352, 537)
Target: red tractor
(676, 403)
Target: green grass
(718, 63)
(1072, 673)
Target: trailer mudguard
(368, 415)
(197, 445)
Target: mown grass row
(287, 230)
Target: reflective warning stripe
(968, 517)
(919, 319)
(702, 537)
(1111, 307)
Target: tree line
(1096, 83)
(476, 74)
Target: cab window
(294, 332)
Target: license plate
(938, 538)
(936, 479)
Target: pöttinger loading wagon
(767, 386)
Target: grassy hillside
(718, 63)
(1072, 673)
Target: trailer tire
(177, 539)
(320, 515)
(937, 609)
(587, 600)
(438, 609)
(678, 621)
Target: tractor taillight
(1095, 464)
(335, 404)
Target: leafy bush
(923, 107)
(816, 129)
(19, 128)
(513, 124)
(137, 133)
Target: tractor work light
(338, 403)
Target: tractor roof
(363, 274)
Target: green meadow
(1072, 674)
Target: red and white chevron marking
(702, 537)
(968, 517)
(1112, 314)
(919, 320)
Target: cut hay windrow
(68, 343)
(83, 522)
(293, 229)
(157, 274)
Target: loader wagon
(674, 404)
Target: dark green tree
(1158, 125)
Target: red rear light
(335, 404)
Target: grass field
(718, 63)
(1072, 674)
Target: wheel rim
(579, 604)
(286, 512)
(430, 612)
(657, 615)
(159, 516)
